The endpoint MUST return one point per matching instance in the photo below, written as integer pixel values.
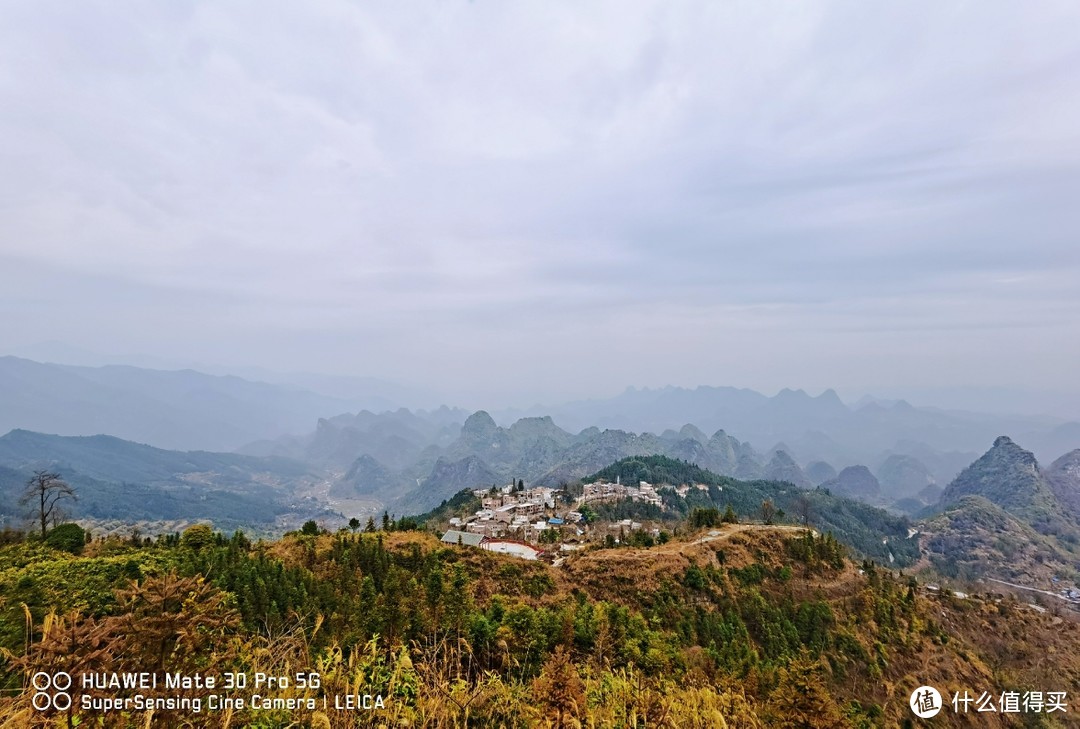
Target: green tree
(354, 524)
(694, 578)
(67, 537)
(310, 528)
(198, 536)
(705, 517)
(802, 700)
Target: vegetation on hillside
(974, 538)
(462, 503)
(871, 532)
(120, 480)
(1010, 477)
(761, 627)
(658, 469)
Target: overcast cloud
(513, 201)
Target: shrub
(198, 536)
(67, 537)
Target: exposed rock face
(693, 432)
(531, 429)
(725, 449)
(749, 467)
(448, 477)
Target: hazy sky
(549, 199)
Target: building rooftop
(467, 538)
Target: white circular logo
(925, 702)
(42, 699)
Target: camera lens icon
(51, 691)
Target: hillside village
(544, 523)
(541, 521)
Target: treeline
(656, 470)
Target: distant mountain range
(812, 427)
(415, 460)
(188, 409)
(181, 409)
(412, 460)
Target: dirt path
(1031, 589)
(729, 530)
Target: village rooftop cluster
(516, 520)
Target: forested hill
(113, 459)
(739, 626)
(869, 531)
(658, 469)
(120, 481)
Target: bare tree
(804, 509)
(768, 511)
(43, 491)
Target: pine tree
(560, 690)
(801, 699)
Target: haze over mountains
(188, 409)
(819, 425)
(180, 409)
(889, 454)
